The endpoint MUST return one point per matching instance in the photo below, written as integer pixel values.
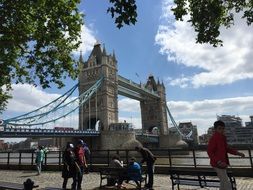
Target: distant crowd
(74, 162)
(75, 165)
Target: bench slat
(186, 182)
(197, 177)
(10, 185)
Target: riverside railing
(196, 158)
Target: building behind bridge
(235, 132)
(187, 128)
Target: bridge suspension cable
(46, 108)
(187, 136)
(56, 111)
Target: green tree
(124, 12)
(37, 38)
(206, 16)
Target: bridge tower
(104, 105)
(153, 111)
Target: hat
(133, 159)
(80, 141)
(70, 145)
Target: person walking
(81, 163)
(39, 159)
(217, 151)
(149, 158)
(69, 166)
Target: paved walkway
(92, 180)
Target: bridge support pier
(169, 141)
(118, 140)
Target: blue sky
(201, 81)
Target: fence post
(8, 159)
(32, 158)
(19, 158)
(90, 159)
(45, 159)
(108, 157)
(59, 160)
(194, 158)
(127, 155)
(170, 161)
(250, 157)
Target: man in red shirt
(217, 151)
(81, 163)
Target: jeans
(65, 181)
(78, 179)
(224, 181)
(38, 166)
(150, 171)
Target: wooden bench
(197, 177)
(27, 185)
(117, 173)
(11, 185)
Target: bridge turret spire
(163, 84)
(158, 81)
(81, 57)
(113, 55)
(97, 53)
(104, 50)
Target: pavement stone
(91, 181)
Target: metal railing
(196, 158)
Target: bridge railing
(28, 132)
(196, 158)
(139, 86)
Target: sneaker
(121, 186)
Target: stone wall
(115, 139)
(168, 141)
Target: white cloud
(221, 65)
(88, 40)
(202, 113)
(136, 121)
(129, 105)
(182, 82)
(27, 97)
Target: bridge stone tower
(153, 111)
(104, 106)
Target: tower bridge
(99, 86)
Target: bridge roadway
(19, 132)
(36, 132)
(91, 180)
